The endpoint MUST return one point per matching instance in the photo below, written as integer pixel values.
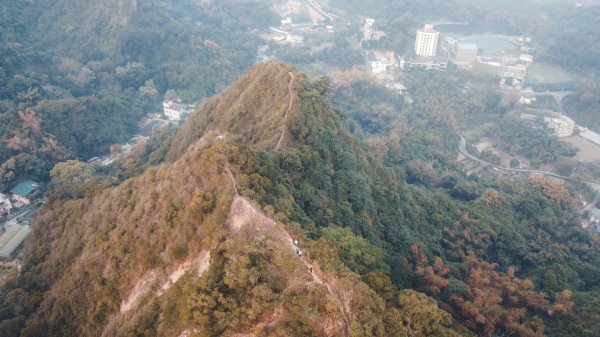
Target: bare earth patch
(141, 288)
(200, 263)
(245, 216)
(588, 151)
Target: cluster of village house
(174, 111)
(13, 233)
(20, 196)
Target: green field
(548, 74)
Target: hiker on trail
(297, 251)
(296, 242)
(311, 270)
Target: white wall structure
(427, 40)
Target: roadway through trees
(462, 148)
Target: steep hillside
(184, 250)
(252, 109)
(203, 244)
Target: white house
(595, 215)
(174, 110)
(5, 205)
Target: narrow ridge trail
(284, 123)
(314, 269)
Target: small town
(539, 88)
(16, 208)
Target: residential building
(368, 29)
(174, 110)
(426, 42)
(5, 205)
(23, 191)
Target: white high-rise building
(427, 40)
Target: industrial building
(12, 236)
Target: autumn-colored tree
(422, 317)
(431, 278)
(563, 303)
(552, 189)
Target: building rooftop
(24, 188)
(12, 238)
(591, 136)
(428, 28)
(595, 213)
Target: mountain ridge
(135, 249)
(253, 108)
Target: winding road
(462, 148)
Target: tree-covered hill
(393, 245)
(105, 64)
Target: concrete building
(591, 136)
(424, 64)
(174, 111)
(595, 215)
(368, 29)
(595, 220)
(23, 191)
(427, 41)
(379, 66)
(5, 205)
(465, 53)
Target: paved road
(462, 148)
